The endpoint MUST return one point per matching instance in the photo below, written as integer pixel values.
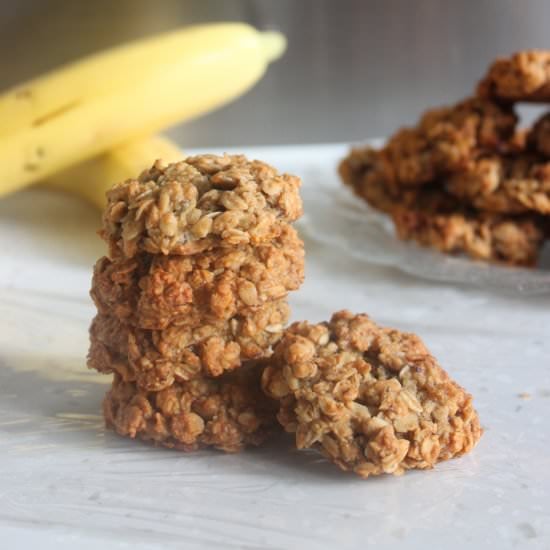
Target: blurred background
(354, 69)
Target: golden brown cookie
(538, 138)
(524, 76)
(227, 413)
(445, 140)
(511, 184)
(363, 171)
(512, 240)
(154, 291)
(371, 399)
(156, 358)
(199, 203)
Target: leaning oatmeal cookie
(445, 139)
(198, 203)
(372, 399)
(154, 359)
(512, 184)
(538, 138)
(153, 291)
(482, 235)
(525, 76)
(227, 413)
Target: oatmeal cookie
(512, 184)
(227, 413)
(197, 204)
(363, 171)
(153, 291)
(371, 399)
(524, 76)
(369, 173)
(482, 235)
(538, 138)
(445, 139)
(157, 358)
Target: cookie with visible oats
(199, 203)
(153, 291)
(524, 76)
(371, 399)
(227, 413)
(497, 238)
(154, 359)
(538, 138)
(364, 171)
(511, 184)
(444, 140)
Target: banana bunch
(86, 123)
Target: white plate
(334, 216)
(65, 482)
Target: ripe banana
(92, 178)
(94, 105)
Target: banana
(91, 179)
(92, 106)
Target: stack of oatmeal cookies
(191, 320)
(465, 179)
(192, 296)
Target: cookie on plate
(497, 238)
(524, 76)
(538, 138)
(509, 184)
(435, 218)
(446, 139)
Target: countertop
(65, 482)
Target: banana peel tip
(273, 44)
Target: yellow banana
(71, 116)
(92, 178)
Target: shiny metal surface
(354, 68)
